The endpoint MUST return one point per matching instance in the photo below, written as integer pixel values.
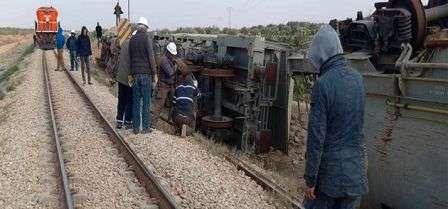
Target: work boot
(147, 131)
(128, 125)
(136, 131)
(119, 125)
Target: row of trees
(294, 33)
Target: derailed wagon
(402, 52)
(244, 82)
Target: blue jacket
(60, 39)
(184, 96)
(335, 157)
(72, 44)
(83, 47)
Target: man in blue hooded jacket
(60, 42)
(335, 158)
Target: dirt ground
(284, 169)
(8, 42)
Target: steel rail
(263, 181)
(145, 176)
(67, 196)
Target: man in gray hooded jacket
(334, 172)
(125, 103)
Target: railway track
(96, 167)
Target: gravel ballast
(196, 177)
(99, 177)
(27, 171)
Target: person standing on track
(124, 107)
(60, 42)
(335, 172)
(143, 71)
(84, 51)
(72, 47)
(99, 33)
(166, 80)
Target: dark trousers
(117, 19)
(85, 66)
(124, 107)
(73, 60)
(180, 119)
(323, 201)
(141, 98)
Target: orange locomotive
(46, 27)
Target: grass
(7, 74)
(15, 31)
(102, 78)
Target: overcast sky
(180, 13)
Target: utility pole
(129, 10)
(229, 9)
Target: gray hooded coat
(124, 65)
(335, 148)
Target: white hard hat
(143, 21)
(172, 48)
(72, 31)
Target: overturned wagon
(244, 83)
(402, 52)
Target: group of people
(142, 80)
(80, 50)
(335, 173)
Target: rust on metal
(263, 140)
(217, 122)
(218, 73)
(263, 181)
(146, 177)
(64, 185)
(437, 39)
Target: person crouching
(166, 80)
(185, 94)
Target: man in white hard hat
(143, 76)
(71, 45)
(167, 71)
